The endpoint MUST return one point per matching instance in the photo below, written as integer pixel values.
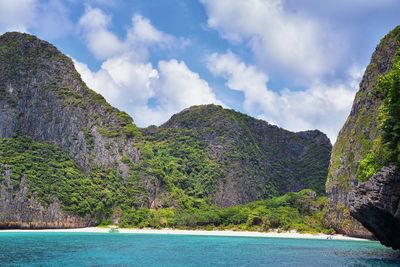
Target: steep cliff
(42, 96)
(69, 159)
(369, 139)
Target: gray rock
(376, 204)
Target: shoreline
(167, 231)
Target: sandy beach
(290, 234)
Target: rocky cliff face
(69, 159)
(362, 133)
(376, 204)
(43, 96)
(257, 159)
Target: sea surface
(96, 249)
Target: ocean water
(95, 249)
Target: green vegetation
(184, 182)
(47, 171)
(293, 211)
(71, 97)
(180, 170)
(386, 148)
(245, 147)
(176, 169)
(367, 167)
(52, 176)
(389, 85)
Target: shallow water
(95, 249)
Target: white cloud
(320, 106)
(120, 80)
(100, 41)
(126, 78)
(141, 36)
(279, 39)
(143, 31)
(135, 76)
(180, 88)
(131, 86)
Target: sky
(293, 63)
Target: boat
(113, 230)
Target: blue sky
(293, 63)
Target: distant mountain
(363, 179)
(69, 159)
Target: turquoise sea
(91, 249)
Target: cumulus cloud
(126, 78)
(141, 36)
(100, 41)
(279, 39)
(321, 106)
(144, 32)
(179, 87)
(120, 80)
(131, 86)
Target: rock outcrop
(356, 139)
(376, 204)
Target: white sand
(290, 234)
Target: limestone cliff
(42, 96)
(354, 154)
